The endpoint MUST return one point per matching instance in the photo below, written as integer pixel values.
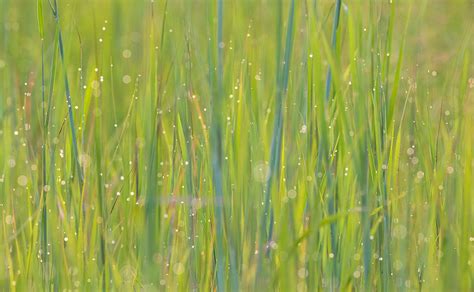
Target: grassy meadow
(236, 145)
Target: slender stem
(335, 25)
(68, 100)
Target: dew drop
(126, 79)
(127, 53)
(22, 180)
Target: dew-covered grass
(222, 145)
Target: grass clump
(236, 145)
